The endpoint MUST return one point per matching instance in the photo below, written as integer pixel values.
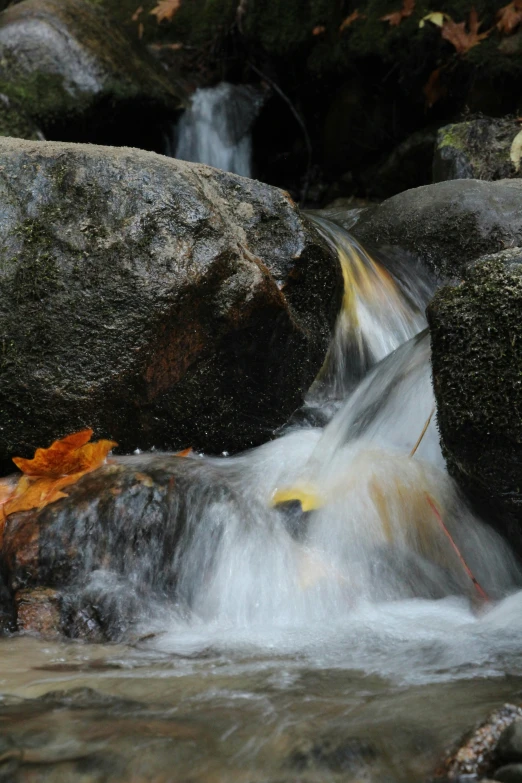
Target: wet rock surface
(92, 565)
(162, 303)
(477, 367)
(447, 225)
(76, 76)
(478, 149)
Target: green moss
(453, 136)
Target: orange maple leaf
(350, 20)
(52, 469)
(463, 40)
(509, 17)
(166, 9)
(395, 18)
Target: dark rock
(77, 76)
(449, 224)
(408, 166)
(509, 746)
(14, 122)
(162, 303)
(476, 335)
(114, 548)
(511, 773)
(477, 149)
(474, 755)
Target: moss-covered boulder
(479, 149)
(476, 334)
(163, 303)
(65, 66)
(449, 224)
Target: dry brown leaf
(166, 9)
(395, 18)
(463, 40)
(509, 17)
(319, 30)
(184, 453)
(52, 469)
(137, 13)
(350, 20)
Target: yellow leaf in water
(307, 497)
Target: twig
(467, 569)
(423, 433)
(301, 124)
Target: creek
(325, 625)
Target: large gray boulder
(449, 224)
(68, 68)
(163, 303)
(476, 334)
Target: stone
(447, 225)
(114, 549)
(163, 303)
(474, 755)
(76, 76)
(477, 149)
(509, 746)
(511, 773)
(476, 336)
(38, 611)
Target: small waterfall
(215, 129)
(334, 531)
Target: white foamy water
(377, 574)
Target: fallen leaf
(509, 17)
(396, 17)
(436, 18)
(433, 89)
(52, 469)
(350, 20)
(319, 30)
(141, 30)
(166, 9)
(137, 13)
(183, 453)
(463, 40)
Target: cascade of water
(215, 129)
(304, 531)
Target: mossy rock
(476, 334)
(162, 303)
(477, 149)
(75, 75)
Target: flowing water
(326, 625)
(215, 129)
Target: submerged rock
(476, 335)
(478, 149)
(162, 303)
(78, 77)
(447, 225)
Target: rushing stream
(325, 624)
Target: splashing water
(215, 129)
(348, 542)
